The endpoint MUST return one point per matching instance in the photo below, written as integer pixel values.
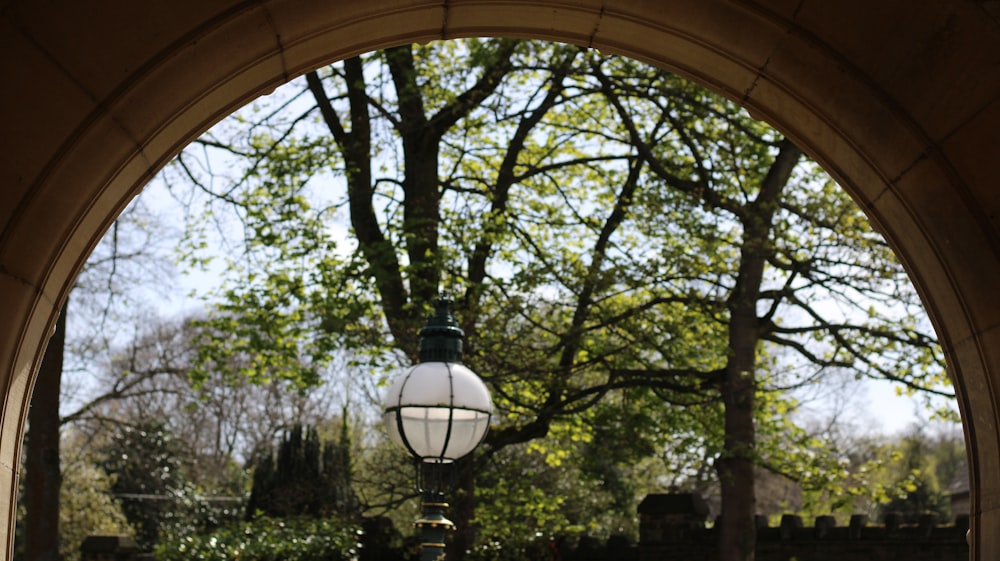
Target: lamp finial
(441, 338)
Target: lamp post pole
(433, 526)
(439, 411)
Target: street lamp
(439, 411)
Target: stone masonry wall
(824, 541)
(672, 528)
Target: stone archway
(900, 101)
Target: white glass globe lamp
(438, 410)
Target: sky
(877, 408)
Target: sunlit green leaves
(268, 539)
(591, 216)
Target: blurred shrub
(268, 539)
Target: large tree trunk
(43, 478)
(737, 532)
(462, 512)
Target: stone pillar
(109, 548)
(670, 517)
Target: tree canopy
(613, 234)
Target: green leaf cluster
(145, 461)
(268, 539)
(623, 245)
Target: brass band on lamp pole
(433, 527)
